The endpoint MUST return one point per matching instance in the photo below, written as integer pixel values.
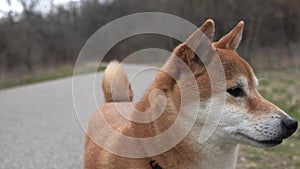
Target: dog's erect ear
(186, 50)
(199, 42)
(207, 29)
(232, 39)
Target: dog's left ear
(200, 40)
(207, 29)
(232, 39)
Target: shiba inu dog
(247, 117)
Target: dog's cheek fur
(231, 119)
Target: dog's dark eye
(235, 91)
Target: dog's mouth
(261, 143)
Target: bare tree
(33, 39)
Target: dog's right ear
(202, 37)
(232, 39)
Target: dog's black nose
(289, 126)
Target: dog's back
(97, 133)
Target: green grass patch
(44, 76)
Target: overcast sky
(43, 5)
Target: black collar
(155, 165)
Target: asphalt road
(39, 127)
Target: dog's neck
(218, 155)
(214, 153)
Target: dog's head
(247, 118)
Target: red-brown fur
(184, 154)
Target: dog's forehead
(236, 68)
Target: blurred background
(41, 39)
(39, 34)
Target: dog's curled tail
(115, 84)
